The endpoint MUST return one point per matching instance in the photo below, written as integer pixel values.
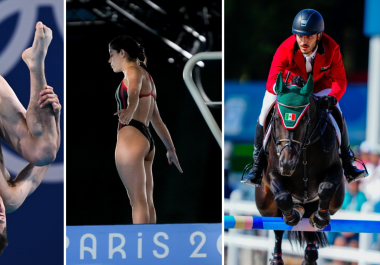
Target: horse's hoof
(296, 217)
(318, 222)
(276, 259)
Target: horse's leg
(311, 251)
(292, 214)
(321, 218)
(338, 198)
(267, 207)
(277, 255)
(265, 202)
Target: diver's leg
(131, 150)
(41, 121)
(148, 163)
(34, 134)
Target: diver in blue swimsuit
(137, 108)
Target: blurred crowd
(362, 196)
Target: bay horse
(312, 188)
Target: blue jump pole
(277, 223)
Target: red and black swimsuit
(122, 103)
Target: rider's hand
(47, 97)
(125, 116)
(326, 101)
(298, 81)
(172, 158)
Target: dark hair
(134, 50)
(3, 240)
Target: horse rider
(306, 52)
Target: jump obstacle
(277, 223)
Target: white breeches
(269, 98)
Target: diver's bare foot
(35, 55)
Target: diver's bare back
(146, 105)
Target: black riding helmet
(308, 22)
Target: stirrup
(360, 173)
(361, 162)
(248, 180)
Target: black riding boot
(256, 173)
(350, 171)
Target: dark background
(255, 29)
(95, 193)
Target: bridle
(304, 143)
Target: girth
(295, 200)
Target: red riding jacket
(328, 68)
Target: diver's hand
(172, 158)
(126, 116)
(48, 97)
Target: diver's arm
(26, 182)
(163, 132)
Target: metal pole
(187, 77)
(373, 106)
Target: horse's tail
(303, 237)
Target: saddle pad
(267, 137)
(337, 130)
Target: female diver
(136, 101)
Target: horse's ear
(279, 84)
(309, 87)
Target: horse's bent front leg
(292, 214)
(321, 218)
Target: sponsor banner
(185, 244)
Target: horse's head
(291, 123)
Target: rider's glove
(326, 101)
(298, 81)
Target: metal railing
(194, 91)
